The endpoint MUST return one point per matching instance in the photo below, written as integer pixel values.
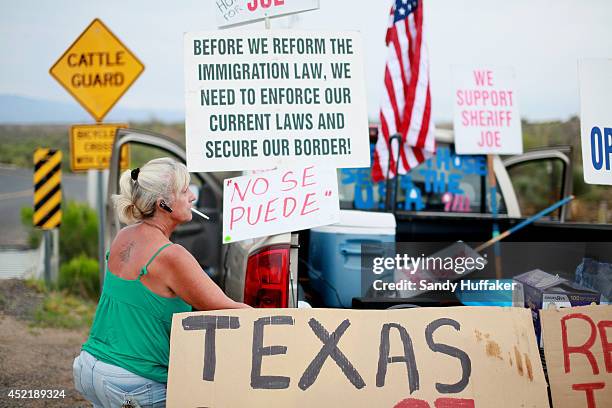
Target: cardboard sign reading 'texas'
(578, 349)
(278, 201)
(415, 358)
(274, 98)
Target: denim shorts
(106, 385)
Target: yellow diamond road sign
(97, 69)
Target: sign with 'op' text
(596, 120)
(486, 114)
(264, 99)
(278, 201)
(463, 357)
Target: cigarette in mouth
(200, 214)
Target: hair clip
(135, 173)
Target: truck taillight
(267, 277)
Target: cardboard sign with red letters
(578, 350)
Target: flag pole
(494, 212)
(389, 194)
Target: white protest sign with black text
(278, 201)
(486, 114)
(232, 12)
(264, 99)
(596, 120)
(446, 357)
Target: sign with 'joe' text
(278, 201)
(596, 120)
(486, 114)
(97, 69)
(232, 12)
(462, 357)
(264, 99)
(578, 348)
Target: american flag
(406, 103)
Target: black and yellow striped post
(47, 198)
(47, 188)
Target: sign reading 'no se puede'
(279, 201)
(97, 69)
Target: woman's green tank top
(131, 328)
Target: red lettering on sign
(589, 388)
(269, 211)
(291, 180)
(306, 175)
(606, 346)
(583, 349)
(237, 189)
(307, 203)
(253, 4)
(411, 403)
(483, 78)
(234, 217)
(439, 403)
(488, 138)
(288, 213)
(454, 403)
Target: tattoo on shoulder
(125, 252)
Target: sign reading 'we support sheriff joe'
(486, 114)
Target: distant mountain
(15, 109)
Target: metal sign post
(100, 200)
(97, 69)
(47, 198)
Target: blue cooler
(335, 253)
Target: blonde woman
(148, 279)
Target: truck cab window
(534, 197)
(445, 183)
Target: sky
(541, 40)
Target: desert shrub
(78, 232)
(80, 277)
(62, 310)
(34, 234)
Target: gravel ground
(34, 358)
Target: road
(16, 192)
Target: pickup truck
(445, 199)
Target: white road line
(16, 194)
